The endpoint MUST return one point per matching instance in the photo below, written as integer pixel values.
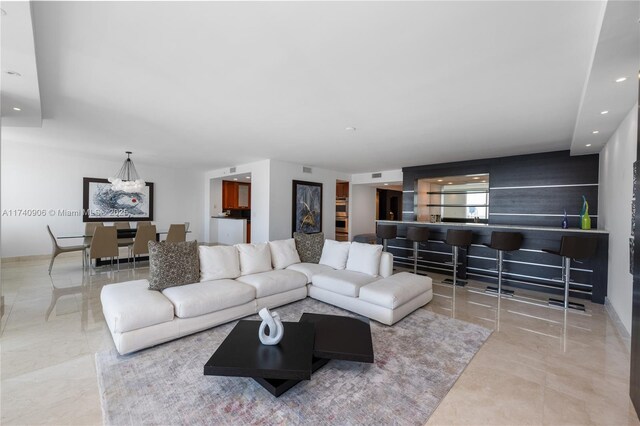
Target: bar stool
(417, 234)
(501, 242)
(572, 247)
(386, 232)
(457, 238)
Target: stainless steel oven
(342, 207)
(342, 225)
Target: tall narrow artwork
(102, 204)
(307, 207)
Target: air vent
(306, 169)
(232, 170)
(376, 175)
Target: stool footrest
(572, 305)
(459, 282)
(494, 290)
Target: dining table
(122, 234)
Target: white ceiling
(18, 55)
(209, 85)
(617, 55)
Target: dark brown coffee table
(306, 346)
(340, 337)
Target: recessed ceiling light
(484, 181)
(450, 183)
(595, 132)
(386, 184)
(248, 177)
(235, 178)
(621, 79)
(439, 180)
(350, 129)
(587, 145)
(604, 112)
(17, 109)
(477, 177)
(14, 73)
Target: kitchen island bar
(528, 268)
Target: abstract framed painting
(102, 204)
(307, 207)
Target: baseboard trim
(29, 258)
(613, 315)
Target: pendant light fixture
(127, 179)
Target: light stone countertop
(491, 226)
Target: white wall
(36, 177)
(280, 212)
(215, 203)
(363, 210)
(387, 177)
(614, 211)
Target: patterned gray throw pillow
(309, 246)
(173, 264)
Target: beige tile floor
(539, 366)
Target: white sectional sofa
(239, 281)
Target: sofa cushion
(254, 258)
(364, 258)
(283, 253)
(131, 305)
(396, 290)
(309, 269)
(309, 246)
(206, 297)
(172, 264)
(219, 262)
(347, 283)
(335, 254)
(273, 282)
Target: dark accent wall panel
(525, 190)
(549, 200)
(549, 168)
(526, 186)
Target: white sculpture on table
(276, 329)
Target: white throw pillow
(335, 253)
(218, 262)
(364, 258)
(283, 253)
(254, 258)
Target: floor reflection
(541, 365)
(525, 312)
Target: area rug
(417, 361)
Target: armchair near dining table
(57, 249)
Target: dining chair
(143, 223)
(144, 234)
(57, 249)
(177, 233)
(105, 244)
(89, 229)
(124, 242)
